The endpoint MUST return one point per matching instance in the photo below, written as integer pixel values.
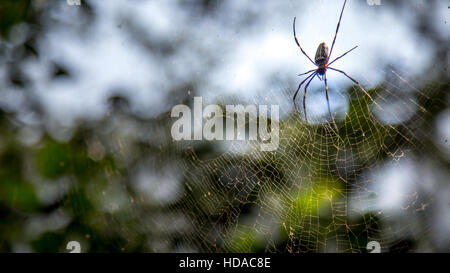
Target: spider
(321, 62)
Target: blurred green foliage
(12, 12)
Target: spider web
(316, 192)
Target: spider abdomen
(321, 54)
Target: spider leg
(355, 81)
(306, 72)
(304, 97)
(337, 30)
(342, 55)
(359, 85)
(296, 41)
(296, 92)
(328, 102)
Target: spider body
(321, 58)
(321, 61)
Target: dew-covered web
(318, 191)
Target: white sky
(244, 60)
